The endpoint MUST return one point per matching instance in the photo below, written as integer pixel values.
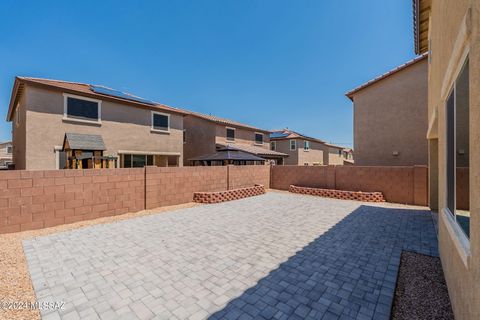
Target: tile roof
(79, 141)
(290, 134)
(83, 89)
(254, 150)
(224, 121)
(350, 93)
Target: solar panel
(119, 94)
(278, 135)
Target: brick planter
(222, 196)
(339, 194)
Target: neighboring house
(450, 32)
(135, 131)
(6, 149)
(205, 134)
(390, 117)
(305, 150)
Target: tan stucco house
(6, 150)
(450, 32)
(305, 150)
(204, 134)
(390, 117)
(134, 132)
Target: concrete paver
(275, 256)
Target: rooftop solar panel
(278, 135)
(119, 94)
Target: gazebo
(225, 156)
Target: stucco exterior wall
(391, 115)
(299, 156)
(284, 147)
(242, 136)
(461, 268)
(334, 158)
(122, 128)
(200, 138)
(19, 138)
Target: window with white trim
(230, 134)
(160, 121)
(137, 160)
(258, 138)
(293, 145)
(306, 145)
(457, 150)
(81, 108)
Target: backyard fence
(45, 198)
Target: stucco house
(133, 131)
(6, 150)
(390, 117)
(205, 134)
(305, 150)
(449, 31)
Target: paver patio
(272, 256)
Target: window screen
(258, 138)
(230, 134)
(82, 109)
(161, 122)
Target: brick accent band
(339, 194)
(222, 196)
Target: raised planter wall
(229, 195)
(340, 194)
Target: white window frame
(234, 134)
(274, 144)
(255, 138)
(306, 143)
(65, 107)
(294, 145)
(162, 114)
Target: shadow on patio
(349, 272)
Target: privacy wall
(398, 184)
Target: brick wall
(39, 199)
(247, 176)
(398, 184)
(170, 186)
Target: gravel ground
(421, 291)
(15, 282)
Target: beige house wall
(122, 128)
(284, 147)
(300, 156)
(391, 116)
(202, 136)
(454, 29)
(19, 137)
(334, 158)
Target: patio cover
(228, 153)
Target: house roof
(290, 134)
(351, 93)
(228, 153)
(254, 150)
(79, 141)
(81, 89)
(224, 121)
(421, 15)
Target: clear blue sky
(271, 64)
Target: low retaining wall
(340, 194)
(222, 196)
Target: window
(137, 160)
(340, 152)
(273, 145)
(230, 134)
(293, 145)
(457, 150)
(258, 138)
(81, 108)
(160, 122)
(9, 149)
(306, 145)
(184, 135)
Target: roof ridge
(53, 80)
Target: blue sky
(271, 64)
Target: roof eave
(13, 99)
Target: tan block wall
(391, 115)
(123, 128)
(398, 184)
(170, 186)
(40, 199)
(247, 176)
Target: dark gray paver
(276, 256)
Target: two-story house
(205, 134)
(60, 124)
(305, 150)
(5, 154)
